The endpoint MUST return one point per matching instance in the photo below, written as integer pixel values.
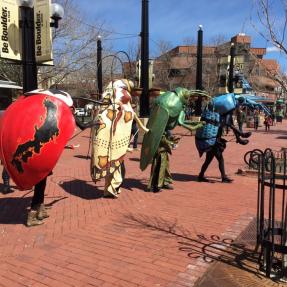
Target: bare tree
(162, 65)
(272, 26)
(74, 46)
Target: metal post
(231, 68)
(28, 49)
(99, 66)
(199, 69)
(144, 99)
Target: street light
(57, 13)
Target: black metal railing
(271, 211)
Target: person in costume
(217, 116)
(5, 175)
(6, 181)
(167, 113)
(111, 139)
(160, 176)
(33, 133)
(38, 210)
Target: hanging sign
(43, 32)
(9, 30)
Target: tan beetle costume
(111, 139)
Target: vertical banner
(43, 32)
(9, 30)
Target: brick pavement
(140, 239)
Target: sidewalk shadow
(13, 210)
(131, 183)
(183, 177)
(82, 156)
(134, 159)
(239, 253)
(283, 132)
(82, 189)
(188, 177)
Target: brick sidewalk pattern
(139, 239)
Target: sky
(174, 21)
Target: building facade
(177, 67)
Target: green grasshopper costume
(167, 113)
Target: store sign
(43, 32)
(239, 63)
(9, 30)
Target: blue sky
(175, 20)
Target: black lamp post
(231, 69)
(144, 99)
(199, 69)
(28, 45)
(27, 25)
(99, 66)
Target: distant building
(177, 67)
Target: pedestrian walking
(267, 122)
(256, 119)
(240, 116)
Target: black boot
(6, 181)
(241, 141)
(246, 135)
(226, 179)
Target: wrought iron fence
(271, 211)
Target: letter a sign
(9, 30)
(43, 32)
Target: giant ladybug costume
(33, 133)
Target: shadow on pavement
(134, 159)
(82, 156)
(188, 177)
(82, 189)
(283, 132)
(236, 254)
(131, 183)
(13, 210)
(183, 177)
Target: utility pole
(199, 69)
(144, 81)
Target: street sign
(43, 31)
(9, 30)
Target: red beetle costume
(33, 133)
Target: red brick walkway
(140, 239)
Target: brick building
(177, 67)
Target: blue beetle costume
(218, 115)
(209, 138)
